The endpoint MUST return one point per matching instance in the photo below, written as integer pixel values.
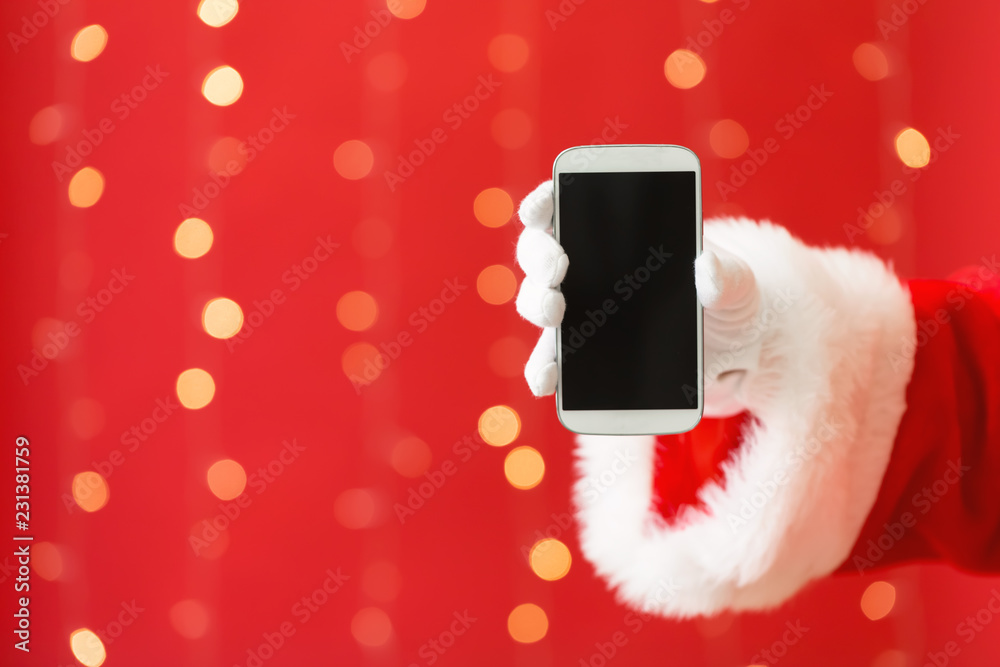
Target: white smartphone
(629, 351)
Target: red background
(462, 550)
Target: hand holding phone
(646, 339)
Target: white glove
(726, 288)
(805, 339)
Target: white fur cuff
(826, 404)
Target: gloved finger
(540, 305)
(541, 257)
(540, 371)
(725, 283)
(536, 209)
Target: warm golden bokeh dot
(226, 479)
(193, 238)
(496, 284)
(189, 618)
(222, 318)
(878, 600)
(527, 623)
(45, 331)
(493, 207)
(226, 157)
(406, 9)
(887, 228)
(499, 426)
(359, 362)
(728, 139)
(381, 581)
(870, 61)
(524, 468)
(507, 356)
(684, 69)
(357, 310)
(217, 13)
(46, 126)
(46, 561)
(355, 509)
(371, 626)
(90, 491)
(387, 71)
(86, 187)
(508, 53)
(222, 86)
(511, 128)
(353, 159)
(912, 148)
(88, 43)
(87, 647)
(550, 559)
(195, 388)
(411, 457)
(209, 549)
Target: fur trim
(826, 404)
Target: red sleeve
(940, 497)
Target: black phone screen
(629, 336)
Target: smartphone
(629, 350)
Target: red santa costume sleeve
(940, 498)
(875, 411)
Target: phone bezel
(630, 158)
